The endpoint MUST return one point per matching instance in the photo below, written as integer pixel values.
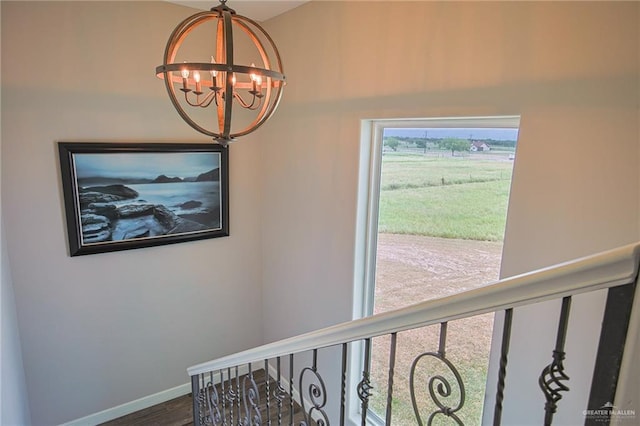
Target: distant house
(477, 146)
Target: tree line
(449, 144)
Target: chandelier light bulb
(214, 73)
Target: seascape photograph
(122, 196)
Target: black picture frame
(121, 196)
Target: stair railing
(226, 391)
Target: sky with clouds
(465, 133)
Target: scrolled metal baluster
(317, 393)
(279, 393)
(224, 398)
(267, 391)
(213, 403)
(343, 384)
(553, 375)
(238, 397)
(438, 385)
(251, 401)
(231, 396)
(291, 402)
(208, 412)
(364, 387)
(198, 398)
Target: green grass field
(436, 195)
(449, 197)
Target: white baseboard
(131, 407)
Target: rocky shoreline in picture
(116, 211)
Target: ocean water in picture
(174, 196)
(195, 201)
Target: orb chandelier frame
(221, 83)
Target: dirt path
(415, 268)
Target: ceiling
(258, 10)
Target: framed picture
(121, 196)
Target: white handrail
(607, 269)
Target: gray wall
(14, 407)
(101, 330)
(576, 177)
(105, 329)
(570, 70)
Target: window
(432, 211)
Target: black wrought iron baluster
(201, 385)
(251, 400)
(438, 385)
(291, 389)
(317, 394)
(245, 420)
(613, 336)
(213, 402)
(224, 398)
(214, 398)
(196, 400)
(206, 416)
(231, 396)
(204, 400)
(221, 398)
(343, 384)
(267, 391)
(238, 397)
(279, 393)
(208, 395)
(364, 387)
(392, 364)
(552, 377)
(502, 372)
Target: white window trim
(371, 135)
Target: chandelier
(234, 70)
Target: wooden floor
(179, 411)
(176, 412)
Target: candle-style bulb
(196, 77)
(185, 75)
(214, 73)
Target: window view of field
(443, 205)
